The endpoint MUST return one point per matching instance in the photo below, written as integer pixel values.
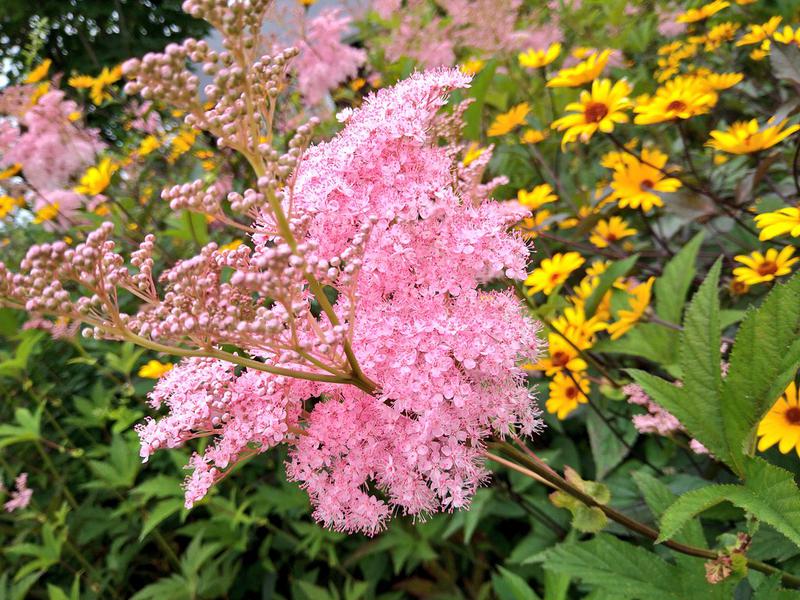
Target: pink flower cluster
(21, 496)
(324, 61)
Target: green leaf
(785, 59)
(764, 359)
(162, 511)
(608, 450)
(510, 586)
(607, 279)
(672, 286)
(769, 494)
(478, 89)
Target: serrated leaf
(785, 60)
(764, 359)
(769, 494)
(658, 498)
(510, 586)
(607, 279)
(672, 286)
(162, 511)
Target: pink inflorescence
(21, 495)
(373, 347)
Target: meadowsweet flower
(552, 272)
(561, 355)
(533, 136)
(656, 420)
(56, 210)
(638, 300)
(508, 121)
(638, 183)
(567, 392)
(693, 15)
(597, 110)
(680, 98)
(324, 61)
(756, 34)
(40, 72)
(744, 137)
(154, 369)
(98, 86)
(762, 268)
(584, 72)
(536, 59)
(537, 197)
(610, 231)
(780, 222)
(781, 425)
(21, 496)
(97, 178)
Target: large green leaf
(672, 286)
(630, 571)
(769, 494)
(764, 359)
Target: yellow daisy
(566, 393)
(584, 72)
(744, 137)
(471, 67)
(759, 33)
(10, 171)
(97, 179)
(638, 183)
(693, 15)
(536, 59)
(610, 231)
(552, 272)
(533, 136)
(154, 369)
(579, 330)
(781, 425)
(779, 222)
(680, 98)
(40, 72)
(638, 300)
(97, 85)
(533, 225)
(541, 194)
(762, 268)
(788, 36)
(561, 355)
(597, 110)
(509, 121)
(48, 212)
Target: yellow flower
(40, 91)
(608, 232)
(738, 288)
(357, 83)
(761, 268)
(583, 212)
(721, 81)
(788, 36)
(693, 15)
(96, 179)
(759, 33)
(48, 212)
(584, 72)
(509, 121)
(579, 330)
(533, 136)
(552, 272)
(561, 355)
(472, 67)
(744, 137)
(636, 182)
(148, 145)
(39, 72)
(680, 98)
(182, 143)
(154, 369)
(474, 151)
(717, 35)
(536, 59)
(7, 204)
(533, 225)
(541, 194)
(566, 393)
(639, 300)
(762, 51)
(231, 245)
(97, 85)
(10, 171)
(597, 110)
(780, 222)
(781, 425)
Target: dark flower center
(572, 392)
(560, 358)
(595, 112)
(793, 415)
(647, 185)
(767, 268)
(677, 106)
